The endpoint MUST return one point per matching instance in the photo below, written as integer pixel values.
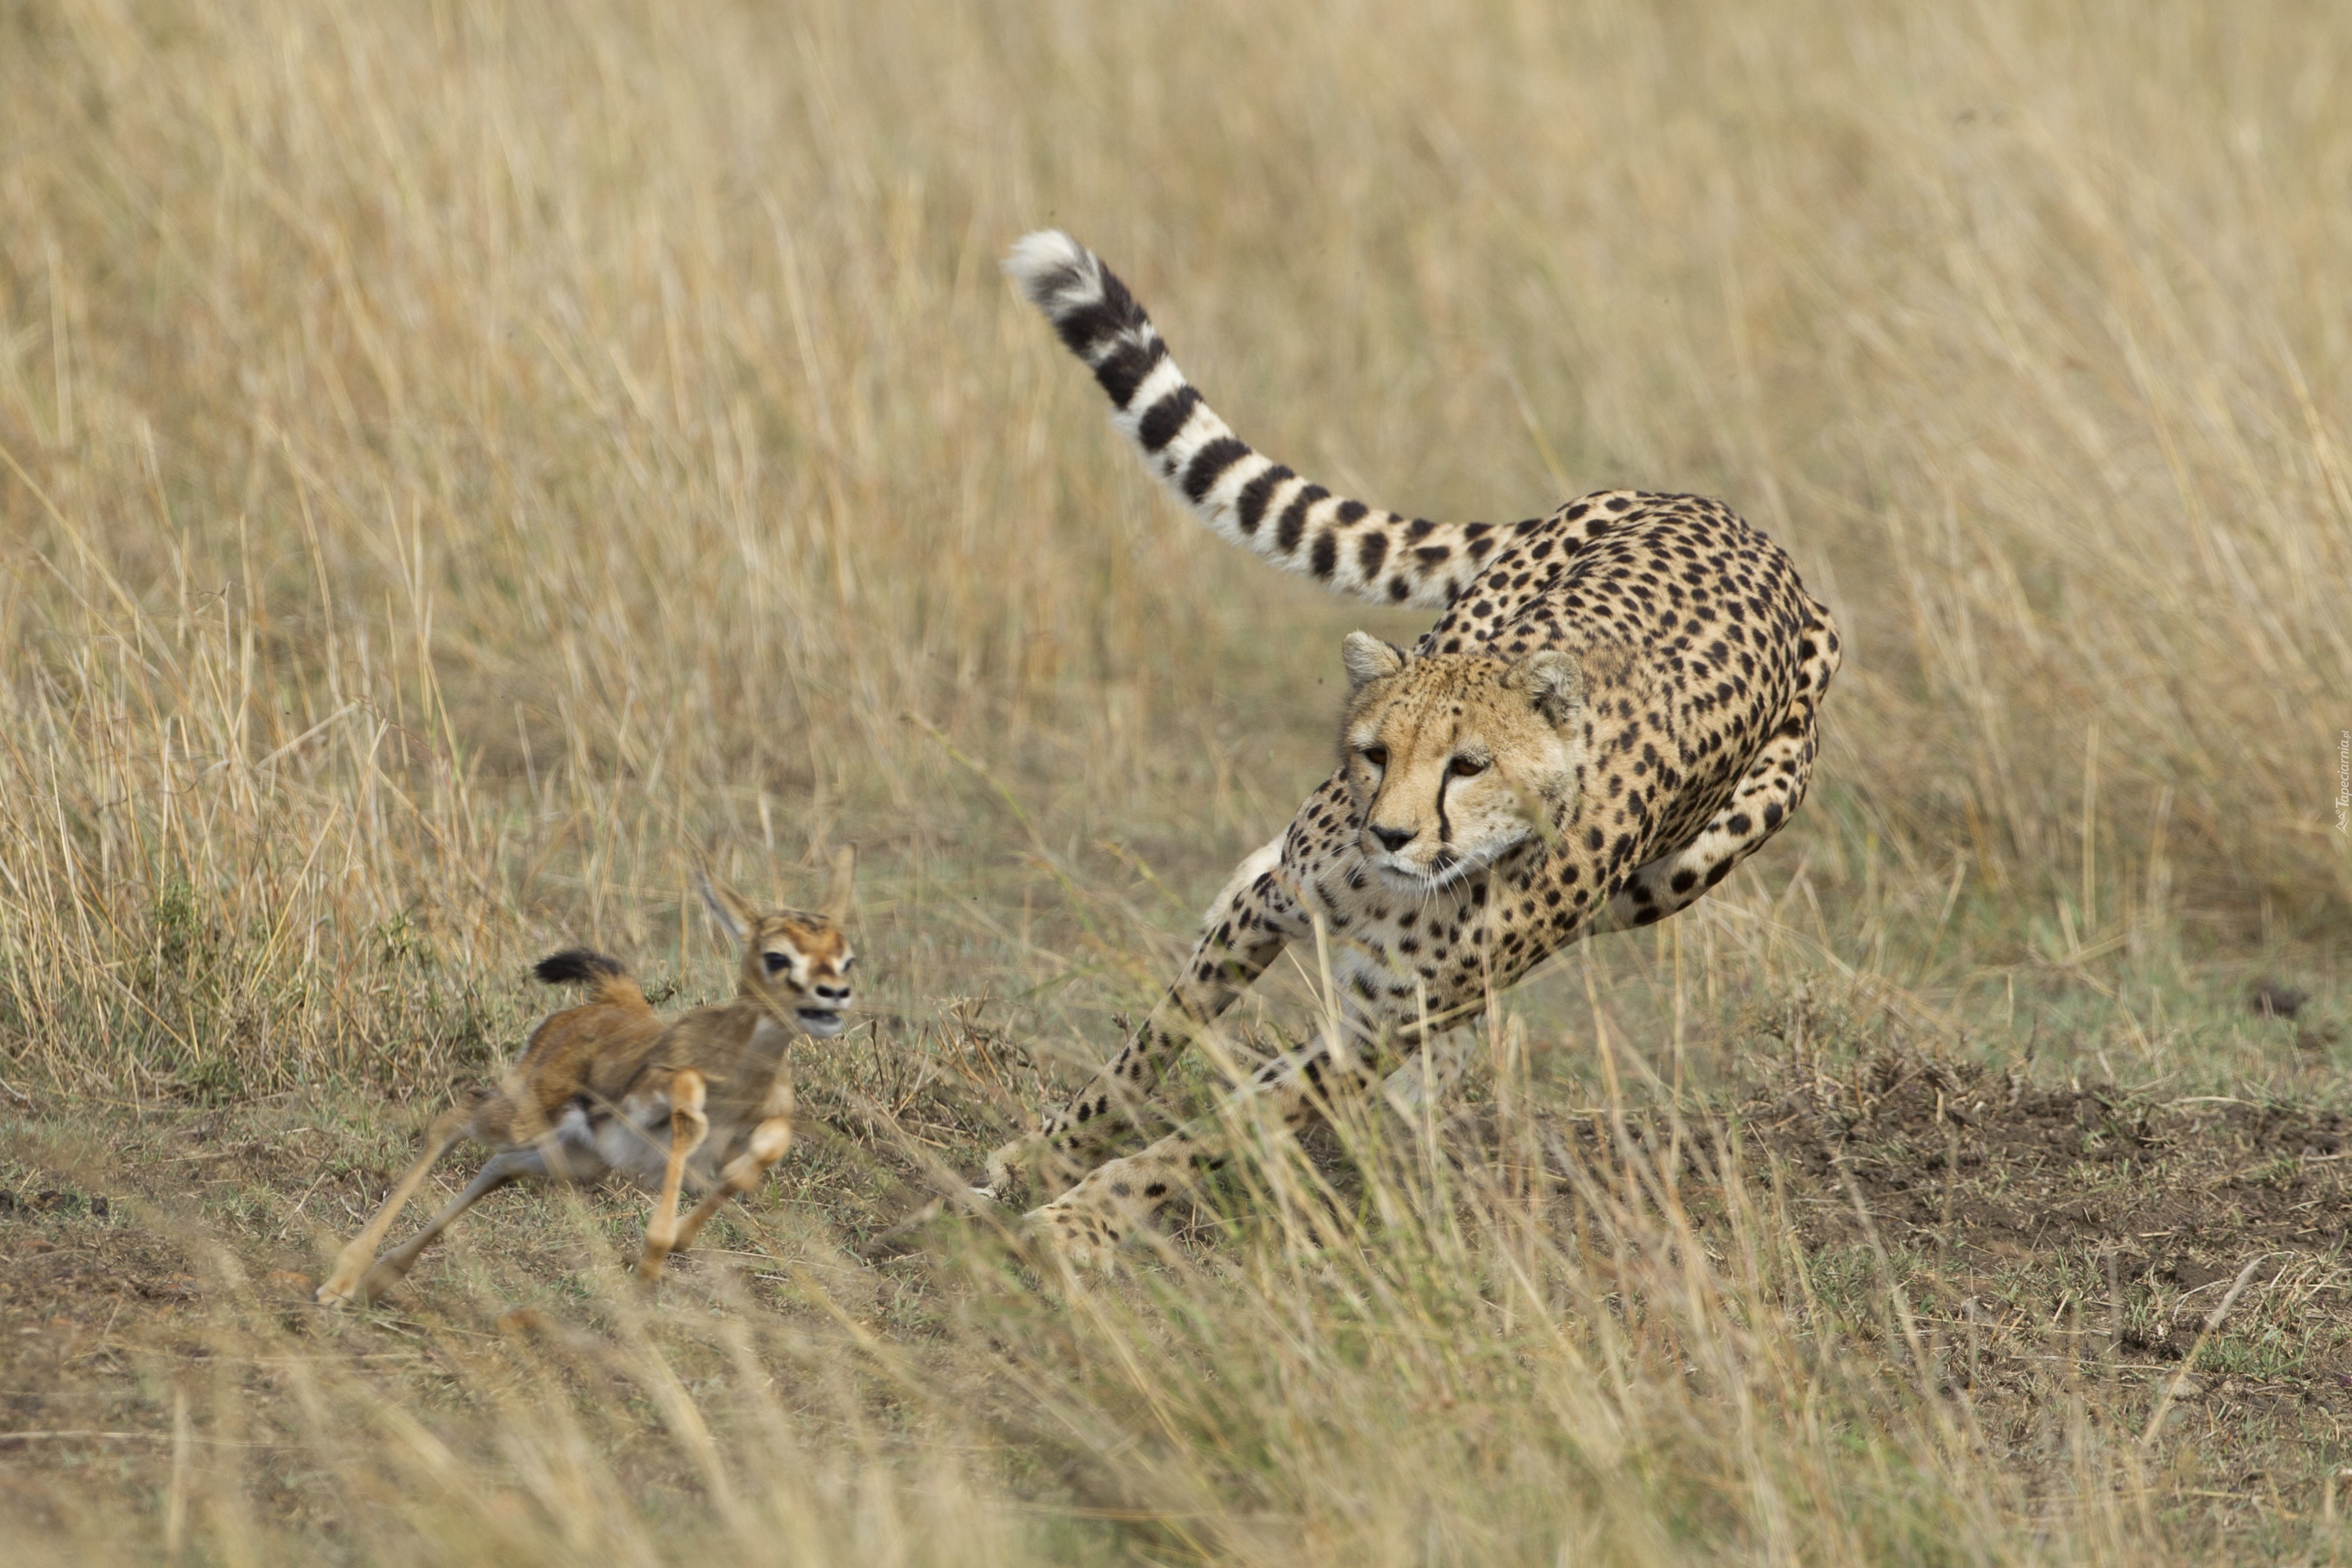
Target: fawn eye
(776, 962)
(1377, 755)
(1467, 767)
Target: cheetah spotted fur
(1618, 704)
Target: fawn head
(796, 964)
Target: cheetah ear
(1368, 658)
(1553, 682)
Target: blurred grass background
(456, 461)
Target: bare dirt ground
(2048, 1252)
(2074, 1231)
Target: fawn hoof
(343, 1291)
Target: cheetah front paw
(1009, 1168)
(1076, 1235)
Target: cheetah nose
(1395, 839)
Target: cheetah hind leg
(1766, 795)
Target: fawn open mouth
(821, 1022)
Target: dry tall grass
(453, 460)
(1483, 1365)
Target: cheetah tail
(1241, 494)
(608, 978)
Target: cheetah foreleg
(1245, 930)
(1087, 1224)
(1430, 1075)
(1116, 1103)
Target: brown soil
(2044, 1239)
(2050, 1240)
(2180, 1193)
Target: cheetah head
(1454, 759)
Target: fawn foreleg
(768, 1140)
(687, 1127)
(342, 1284)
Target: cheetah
(1617, 704)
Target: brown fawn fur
(608, 1088)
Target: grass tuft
(459, 466)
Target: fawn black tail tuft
(578, 966)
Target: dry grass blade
(461, 466)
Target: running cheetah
(1618, 704)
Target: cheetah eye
(1466, 767)
(1377, 755)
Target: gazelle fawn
(607, 1088)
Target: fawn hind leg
(344, 1280)
(505, 1166)
(687, 1127)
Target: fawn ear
(735, 917)
(845, 885)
